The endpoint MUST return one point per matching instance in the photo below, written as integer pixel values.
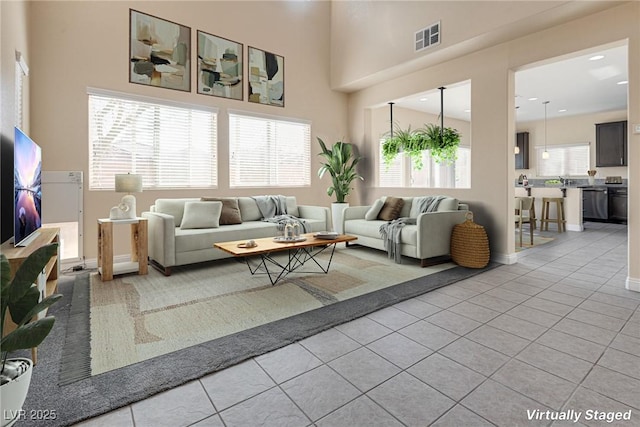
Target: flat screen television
(27, 188)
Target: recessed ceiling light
(596, 57)
(423, 99)
(467, 110)
(563, 110)
(623, 82)
(533, 99)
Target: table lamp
(126, 183)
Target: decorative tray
(281, 239)
(330, 235)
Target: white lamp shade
(128, 183)
(516, 150)
(545, 154)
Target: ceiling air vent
(427, 37)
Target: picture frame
(266, 77)
(220, 66)
(159, 52)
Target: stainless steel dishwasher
(595, 204)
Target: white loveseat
(172, 242)
(429, 240)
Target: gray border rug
(102, 393)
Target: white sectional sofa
(181, 230)
(428, 240)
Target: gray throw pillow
(201, 215)
(374, 210)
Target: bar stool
(559, 219)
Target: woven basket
(470, 244)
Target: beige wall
(85, 44)
(491, 72)
(568, 130)
(14, 37)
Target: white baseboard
(575, 227)
(632, 284)
(504, 258)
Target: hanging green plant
(413, 143)
(442, 148)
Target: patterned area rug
(135, 318)
(361, 281)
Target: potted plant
(340, 162)
(443, 148)
(21, 299)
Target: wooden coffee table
(299, 253)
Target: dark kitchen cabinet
(611, 144)
(522, 158)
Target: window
(266, 151)
(172, 145)
(564, 160)
(432, 175)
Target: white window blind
(265, 151)
(564, 160)
(172, 145)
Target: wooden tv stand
(49, 278)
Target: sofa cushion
(292, 206)
(173, 207)
(230, 209)
(374, 210)
(448, 204)
(362, 227)
(391, 209)
(249, 209)
(201, 215)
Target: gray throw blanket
(271, 206)
(427, 203)
(390, 233)
(274, 209)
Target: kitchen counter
(572, 202)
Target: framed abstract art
(266, 77)
(159, 52)
(219, 66)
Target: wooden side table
(139, 251)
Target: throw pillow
(201, 215)
(391, 209)
(230, 209)
(374, 210)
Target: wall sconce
(126, 183)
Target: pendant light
(545, 153)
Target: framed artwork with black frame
(266, 77)
(219, 66)
(159, 52)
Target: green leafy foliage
(340, 162)
(442, 148)
(20, 299)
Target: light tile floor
(557, 331)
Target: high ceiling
(579, 84)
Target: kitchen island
(572, 203)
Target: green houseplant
(443, 148)
(22, 301)
(340, 163)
